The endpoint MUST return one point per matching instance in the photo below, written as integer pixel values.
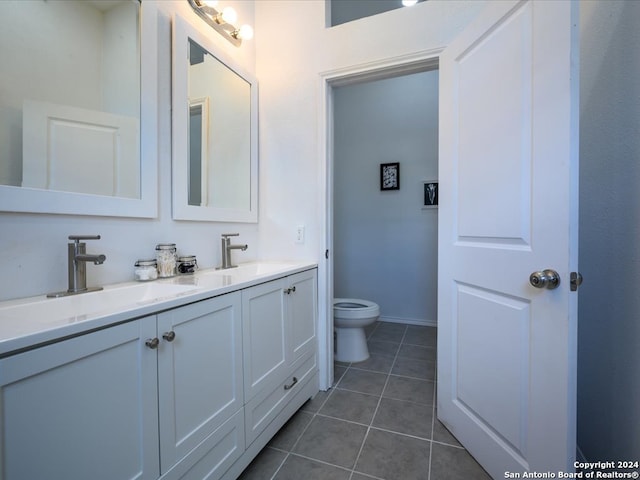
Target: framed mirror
(78, 107)
(215, 132)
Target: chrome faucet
(226, 250)
(78, 258)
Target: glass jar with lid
(187, 264)
(146, 270)
(166, 256)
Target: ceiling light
(222, 21)
(228, 15)
(245, 32)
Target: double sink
(39, 319)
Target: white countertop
(32, 321)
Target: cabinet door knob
(152, 343)
(290, 386)
(169, 336)
(290, 290)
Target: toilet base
(351, 345)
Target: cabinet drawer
(260, 411)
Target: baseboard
(410, 321)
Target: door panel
(502, 145)
(492, 380)
(508, 207)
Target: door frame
(417, 62)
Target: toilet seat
(354, 308)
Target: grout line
(290, 451)
(280, 466)
(320, 461)
(366, 435)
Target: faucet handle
(227, 235)
(77, 238)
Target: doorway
(385, 239)
(390, 68)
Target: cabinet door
(82, 408)
(199, 375)
(264, 336)
(301, 311)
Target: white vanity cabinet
(192, 391)
(82, 408)
(279, 335)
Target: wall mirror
(215, 132)
(78, 107)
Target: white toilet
(350, 316)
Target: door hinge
(575, 280)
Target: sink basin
(86, 305)
(251, 270)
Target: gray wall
(609, 302)
(385, 244)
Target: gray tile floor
(378, 422)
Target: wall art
(390, 176)
(430, 192)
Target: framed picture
(430, 192)
(390, 176)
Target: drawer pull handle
(169, 336)
(152, 343)
(289, 387)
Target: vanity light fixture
(222, 21)
(409, 3)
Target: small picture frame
(390, 176)
(430, 194)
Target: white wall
(609, 309)
(33, 247)
(385, 243)
(293, 48)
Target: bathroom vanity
(187, 378)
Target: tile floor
(378, 422)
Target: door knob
(548, 279)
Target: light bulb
(409, 3)
(210, 3)
(245, 32)
(228, 15)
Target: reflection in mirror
(78, 107)
(70, 105)
(219, 140)
(214, 133)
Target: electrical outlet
(300, 234)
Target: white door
(508, 207)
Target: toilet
(350, 316)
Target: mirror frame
(33, 200)
(183, 31)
